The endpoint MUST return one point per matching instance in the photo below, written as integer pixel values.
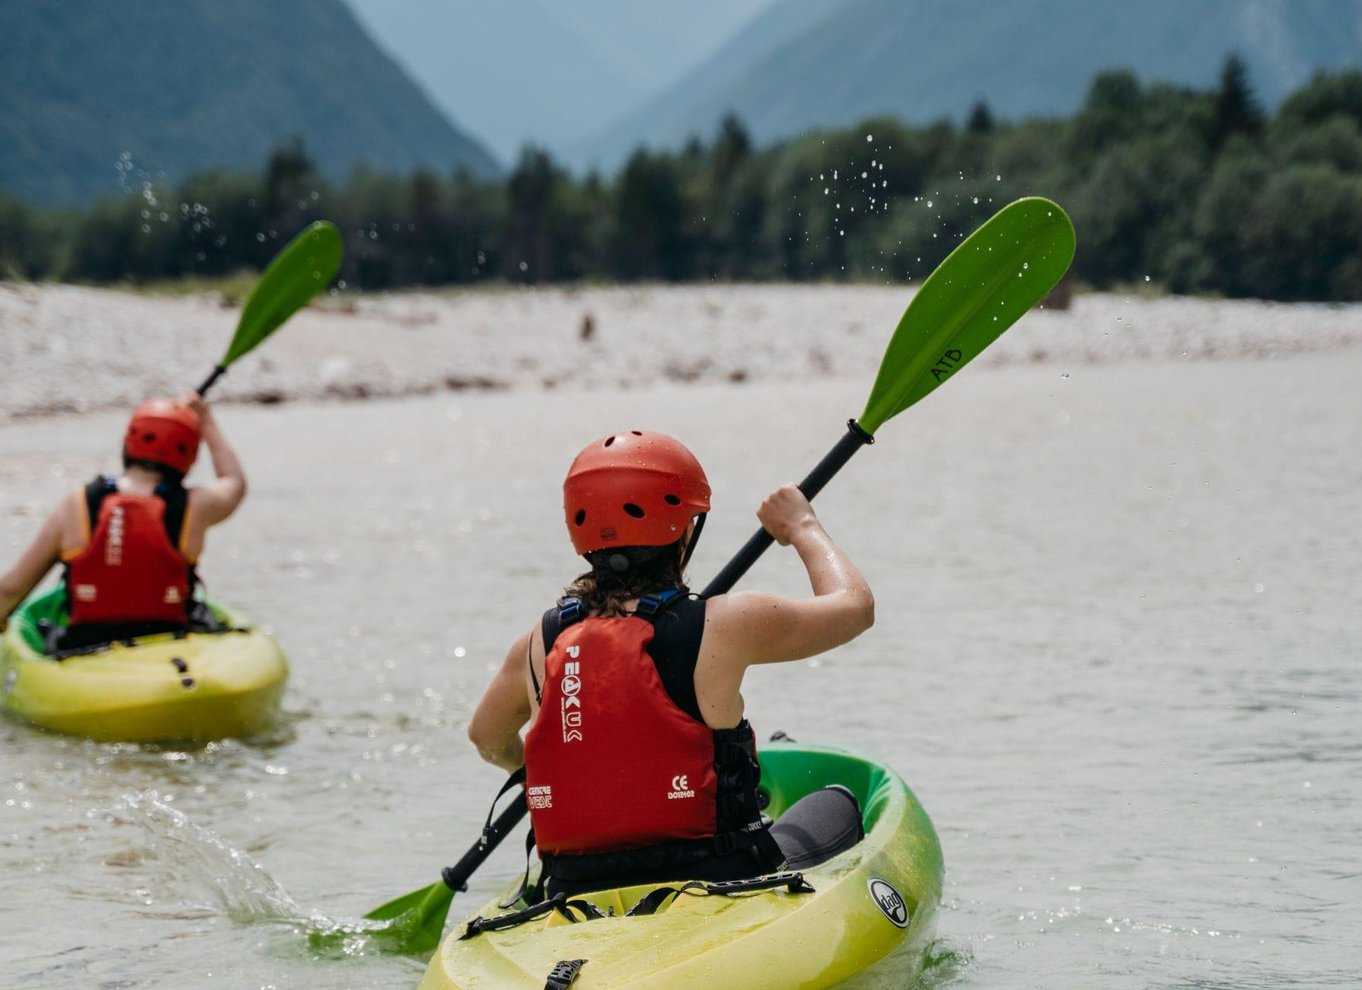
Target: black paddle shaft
(853, 440)
(218, 372)
(456, 876)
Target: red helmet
(165, 433)
(634, 489)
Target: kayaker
(130, 544)
(640, 764)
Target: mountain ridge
(924, 60)
(100, 94)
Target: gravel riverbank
(70, 349)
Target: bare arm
(503, 711)
(754, 627)
(217, 500)
(33, 563)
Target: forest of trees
(1195, 192)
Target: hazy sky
(547, 71)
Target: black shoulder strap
(678, 627)
(176, 500)
(556, 619)
(95, 493)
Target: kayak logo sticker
(680, 788)
(570, 706)
(889, 901)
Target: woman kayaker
(130, 544)
(640, 765)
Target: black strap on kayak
(653, 901)
(530, 892)
(677, 855)
(562, 975)
(54, 636)
(575, 911)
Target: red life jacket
(131, 568)
(615, 765)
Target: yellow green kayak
(861, 919)
(196, 686)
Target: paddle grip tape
(853, 440)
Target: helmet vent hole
(634, 510)
(580, 517)
(636, 433)
(671, 500)
(182, 448)
(609, 441)
(148, 437)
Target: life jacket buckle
(570, 610)
(651, 604)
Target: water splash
(246, 894)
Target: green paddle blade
(416, 920)
(984, 286)
(305, 266)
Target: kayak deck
(867, 922)
(195, 687)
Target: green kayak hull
(194, 687)
(867, 923)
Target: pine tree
(1236, 109)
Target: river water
(1116, 657)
